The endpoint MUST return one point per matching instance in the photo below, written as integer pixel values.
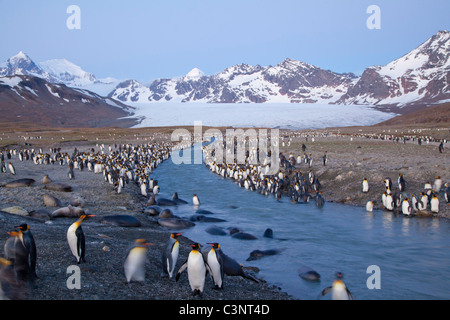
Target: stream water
(412, 254)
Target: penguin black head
(215, 245)
(195, 246)
(23, 227)
(175, 235)
(339, 275)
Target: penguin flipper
(325, 291)
(350, 297)
(81, 244)
(182, 268)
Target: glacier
(251, 115)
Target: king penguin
(11, 168)
(17, 253)
(170, 254)
(434, 204)
(195, 200)
(134, 266)
(406, 208)
(196, 266)
(339, 290)
(401, 182)
(29, 243)
(365, 186)
(369, 206)
(76, 240)
(215, 263)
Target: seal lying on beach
(57, 186)
(51, 201)
(67, 212)
(19, 183)
(121, 220)
(175, 223)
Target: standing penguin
(401, 182)
(406, 208)
(446, 192)
(365, 186)
(338, 289)
(369, 206)
(434, 203)
(215, 262)
(11, 168)
(196, 266)
(437, 185)
(134, 266)
(28, 241)
(17, 253)
(195, 200)
(76, 240)
(423, 202)
(170, 255)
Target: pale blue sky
(145, 40)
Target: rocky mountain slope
(31, 99)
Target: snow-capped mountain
(421, 76)
(36, 100)
(55, 71)
(289, 81)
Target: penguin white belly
(196, 271)
(339, 292)
(174, 253)
(134, 265)
(434, 205)
(73, 240)
(215, 268)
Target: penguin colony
(298, 186)
(119, 168)
(134, 164)
(302, 186)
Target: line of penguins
(298, 186)
(400, 202)
(118, 168)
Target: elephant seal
(308, 274)
(57, 186)
(166, 213)
(202, 218)
(257, 254)
(41, 214)
(176, 223)
(243, 236)
(232, 268)
(178, 200)
(51, 201)
(68, 212)
(203, 211)
(216, 231)
(25, 182)
(268, 233)
(121, 220)
(153, 210)
(46, 179)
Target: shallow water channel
(412, 254)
